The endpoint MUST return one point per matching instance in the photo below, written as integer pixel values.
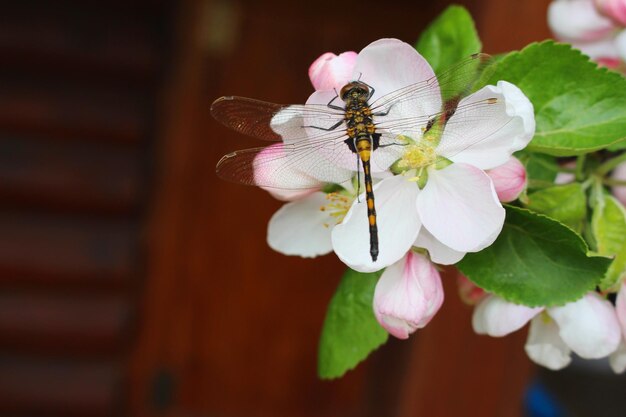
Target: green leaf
(350, 330)
(609, 229)
(609, 225)
(449, 38)
(540, 167)
(535, 261)
(579, 108)
(565, 203)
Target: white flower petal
(439, 253)
(577, 20)
(332, 71)
(544, 346)
(484, 133)
(390, 64)
(588, 326)
(408, 295)
(301, 228)
(620, 308)
(497, 317)
(460, 208)
(398, 225)
(620, 43)
(617, 359)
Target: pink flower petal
(619, 191)
(470, 293)
(301, 228)
(617, 359)
(398, 225)
(390, 64)
(613, 9)
(544, 346)
(577, 20)
(497, 317)
(460, 208)
(588, 326)
(408, 295)
(485, 134)
(331, 71)
(509, 179)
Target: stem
(610, 164)
(580, 166)
(612, 182)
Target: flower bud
(509, 179)
(332, 71)
(408, 295)
(619, 191)
(613, 9)
(469, 292)
(577, 21)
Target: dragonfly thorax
(355, 92)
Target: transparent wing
(313, 148)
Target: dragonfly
(336, 141)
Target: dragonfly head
(355, 91)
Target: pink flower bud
(577, 21)
(408, 295)
(509, 179)
(619, 191)
(614, 9)
(332, 71)
(469, 292)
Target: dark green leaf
(609, 229)
(449, 38)
(350, 331)
(540, 167)
(535, 261)
(579, 108)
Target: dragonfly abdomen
(364, 149)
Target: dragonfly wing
(282, 166)
(485, 129)
(272, 122)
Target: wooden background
(136, 283)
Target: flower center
(416, 156)
(336, 208)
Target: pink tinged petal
(331, 71)
(460, 208)
(497, 317)
(390, 64)
(620, 44)
(577, 20)
(485, 133)
(617, 359)
(508, 179)
(544, 346)
(588, 326)
(439, 253)
(620, 308)
(398, 225)
(603, 49)
(619, 174)
(470, 293)
(613, 9)
(301, 228)
(408, 295)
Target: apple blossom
(581, 24)
(469, 292)
(408, 295)
(332, 71)
(509, 179)
(613, 9)
(589, 327)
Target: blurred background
(134, 282)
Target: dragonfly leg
(328, 129)
(332, 106)
(383, 113)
